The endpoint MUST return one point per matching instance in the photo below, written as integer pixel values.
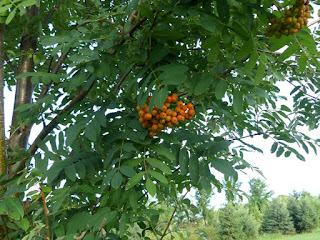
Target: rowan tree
(79, 69)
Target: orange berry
(162, 121)
(167, 105)
(177, 109)
(180, 118)
(163, 115)
(154, 112)
(145, 124)
(160, 126)
(141, 113)
(154, 127)
(169, 112)
(157, 116)
(191, 112)
(187, 117)
(168, 118)
(182, 112)
(141, 120)
(174, 97)
(147, 116)
(152, 134)
(174, 114)
(174, 120)
(190, 105)
(170, 124)
(154, 121)
(149, 98)
(184, 107)
(168, 100)
(179, 104)
(138, 107)
(164, 108)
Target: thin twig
(46, 212)
(13, 68)
(172, 215)
(121, 80)
(151, 27)
(48, 17)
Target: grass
(304, 236)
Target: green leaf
(287, 154)
(194, 169)
(122, 223)
(14, 204)
(163, 151)
(5, 8)
(70, 172)
(116, 180)
(27, 3)
(151, 187)
(127, 171)
(183, 161)
(245, 51)
(167, 35)
(292, 49)
(134, 180)
(91, 132)
(221, 89)
(3, 208)
(280, 151)
(159, 97)
(173, 74)
(274, 147)
(223, 10)
(223, 166)
(251, 63)
(11, 16)
(237, 101)
(210, 22)
(158, 176)
(24, 224)
(260, 72)
(159, 164)
(146, 11)
(203, 84)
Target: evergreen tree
(237, 224)
(303, 212)
(277, 218)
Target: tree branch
(172, 215)
(121, 80)
(46, 211)
(13, 68)
(45, 131)
(55, 70)
(48, 17)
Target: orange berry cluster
(293, 19)
(166, 116)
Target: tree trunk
(24, 89)
(3, 160)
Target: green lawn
(305, 236)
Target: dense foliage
(80, 68)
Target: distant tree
(203, 200)
(259, 195)
(303, 212)
(277, 218)
(231, 187)
(237, 223)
